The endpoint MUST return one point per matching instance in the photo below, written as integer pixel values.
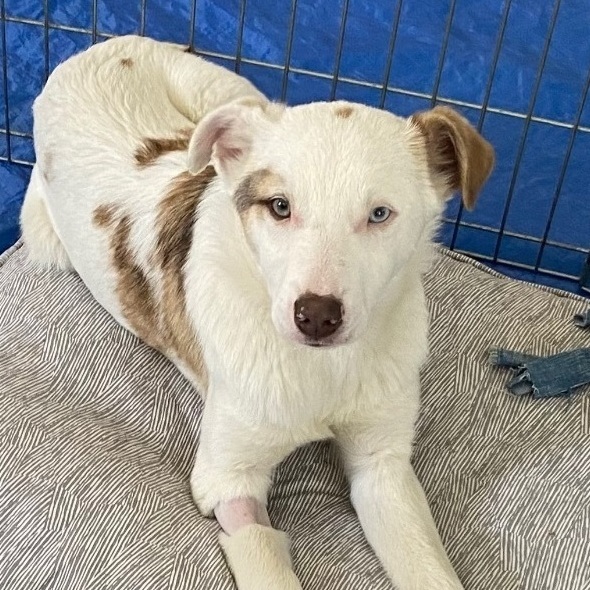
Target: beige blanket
(98, 434)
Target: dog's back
(122, 113)
(138, 88)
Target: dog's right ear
(224, 136)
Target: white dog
(275, 255)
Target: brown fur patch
(134, 292)
(152, 148)
(127, 62)
(175, 221)
(162, 324)
(344, 112)
(256, 187)
(103, 215)
(457, 154)
(177, 215)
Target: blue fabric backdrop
(541, 68)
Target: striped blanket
(98, 436)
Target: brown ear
(458, 156)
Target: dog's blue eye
(379, 215)
(280, 208)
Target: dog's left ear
(459, 158)
(224, 136)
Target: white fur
(268, 393)
(259, 559)
(45, 247)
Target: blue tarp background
(465, 75)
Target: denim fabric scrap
(582, 320)
(556, 375)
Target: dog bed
(98, 434)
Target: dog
(275, 254)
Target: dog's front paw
(203, 492)
(258, 557)
(449, 584)
(442, 580)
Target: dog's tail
(38, 233)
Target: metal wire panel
(514, 78)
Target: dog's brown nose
(318, 316)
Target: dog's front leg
(392, 507)
(230, 480)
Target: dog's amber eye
(280, 208)
(379, 215)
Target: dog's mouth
(327, 343)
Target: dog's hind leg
(230, 479)
(43, 244)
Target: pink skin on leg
(240, 512)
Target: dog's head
(335, 198)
